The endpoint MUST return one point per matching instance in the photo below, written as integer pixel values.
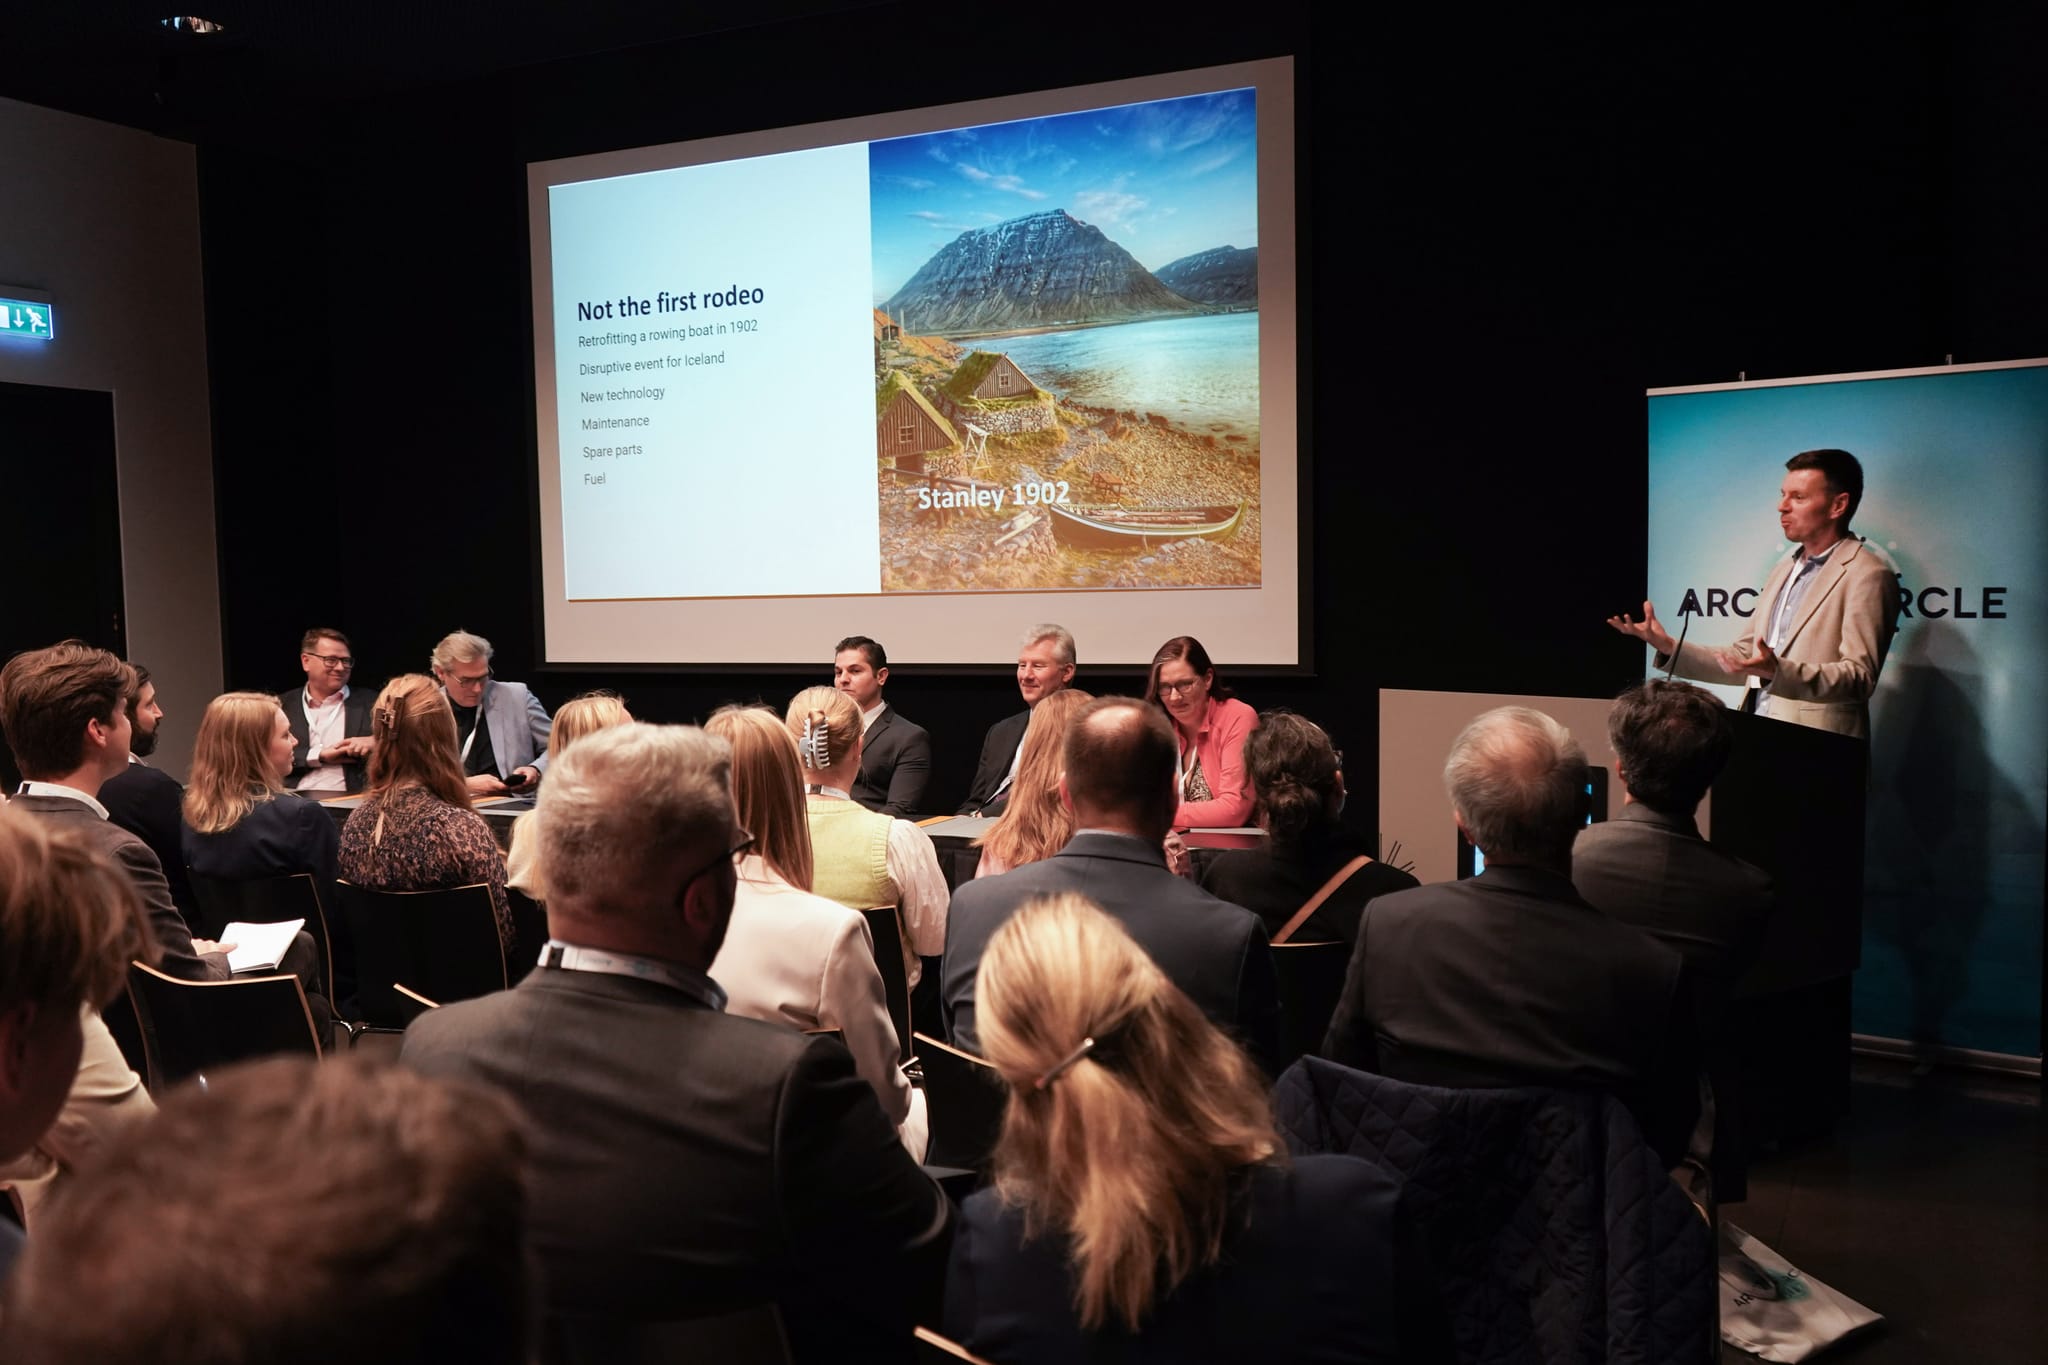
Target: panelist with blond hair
(416, 830)
(1143, 1203)
(789, 956)
(861, 858)
(579, 716)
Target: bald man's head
(1120, 759)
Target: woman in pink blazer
(1211, 727)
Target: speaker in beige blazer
(1834, 651)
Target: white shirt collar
(836, 793)
(68, 793)
(867, 717)
(307, 694)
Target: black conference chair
(964, 1098)
(190, 1027)
(887, 932)
(267, 900)
(1311, 982)
(443, 944)
(933, 1349)
(744, 1336)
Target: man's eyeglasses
(478, 681)
(746, 841)
(334, 660)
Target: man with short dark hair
(289, 1210)
(148, 802)
(330, 721)
(1045, 664)
(895, 755)
(65, 713)
(1509, 978)
(1649, 866)
(1120, 782)
(1825, 619)
(685, 1161)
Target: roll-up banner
(1955, 466)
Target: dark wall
(1511, 228)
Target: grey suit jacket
(132, 856)
(685, 1160)
(1834, 650)
(1654, 871)
(895, 765)
(520, 726)
(355, 720)
(1214, 951)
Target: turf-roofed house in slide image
(1066, 342)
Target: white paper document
(260, 947)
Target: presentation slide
(977, 367)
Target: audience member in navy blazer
(1143, 1209)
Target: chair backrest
(933, 1349)
(887, 932)
(266, 900)
(745, 1336)
(1311, 977)
(192, 1026)
(964, 1098)
(443, 944)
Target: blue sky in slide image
(1163, 179)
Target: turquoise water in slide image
(1201, 372)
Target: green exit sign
(27, 318)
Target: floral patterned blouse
(411, 840)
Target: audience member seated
(1297, 783)
(1045, 664)
(330, 720)
(322, 1213)
(501, 728)
(579, 716)
(1119, 784)
(70, 923)
(235, 826)
(862, 859)
(416, 831)
(685, 1161)
(895, 754)
(1209, 728)
(1035, 822)
(1649, 866)
(1144, 1209)
(1509, 978)
(65, 713)
(145, 800)
(791, 957)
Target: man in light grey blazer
(1812, 652)
(502, 727)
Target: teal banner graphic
(1956, 472)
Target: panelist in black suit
(685, 1161)
(1509, 978)
(1121, 785)
(330, 721)
(895, 754)
(1045, 664)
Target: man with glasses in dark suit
(330, 722)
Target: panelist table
(954, 835)
(498, 811)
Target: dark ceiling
(115, 60)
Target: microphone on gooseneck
(1685, 615)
